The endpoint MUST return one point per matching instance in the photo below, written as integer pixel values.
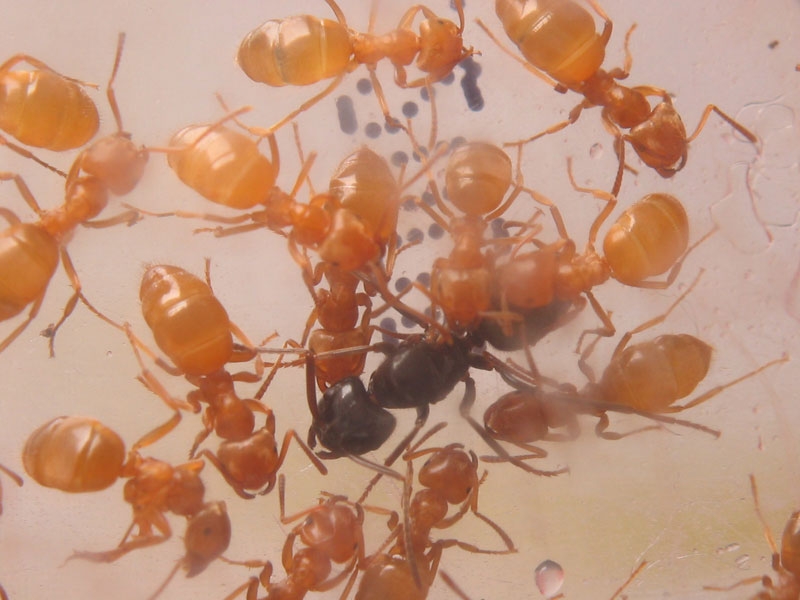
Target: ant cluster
(506, 278)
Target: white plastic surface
(678, 499)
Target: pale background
(680, 501)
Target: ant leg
(144, 541)
(159, 432)
(287, 438)
(607, 330)
(655, 320)
(37, 304)
(237, 486)
(601, 429)
(112, 98)
(525, 64)
(630, 578)
(378, 89)
(716, 390)
(309, 103)
(727, 588)
(149, 380)
(24, 191)
(676, 268)
(751, 137)
(452, 585)
(574, 115)
(28, 154)
(610, 200)
(622, 73)
(337, 11)
(554, 212)
(16, 478)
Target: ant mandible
(304, 49)
(29, 252)
(560, 46)
(785, 563)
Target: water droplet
(596, 151)
(549, 578)
(743, 561)
(733, 547)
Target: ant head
(208, 534)
(450, 472)
(441, 47)
(116, 161)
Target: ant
(646, 379)
(648, 239)
(349, 226)
(336, 310)
(449, 477)
(31, 251)
(477, 178)
(79, 454)
(331, 532)
(304, 49)
(561, 47)
(43, 108)
(14, 477)
(785, 562)
(193, 329)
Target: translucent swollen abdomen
(74, 454)
(647, 239)
(28, 259)
(557, 36)
(225, 166)
(189, 324)
(298, 50)
(42, 109)
(364, 184)
(653, 375)
(477, 178)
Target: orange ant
(44, 108)
(645, 379)
(192, 327)
(14, 477)
(331, 532)
(478, 176)
(336, 310)
(350, 226)
(304, 49)
(449, 476)
(79, 454)
(29, 252)
(561, 47)
(648, 239)
(785, 563)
